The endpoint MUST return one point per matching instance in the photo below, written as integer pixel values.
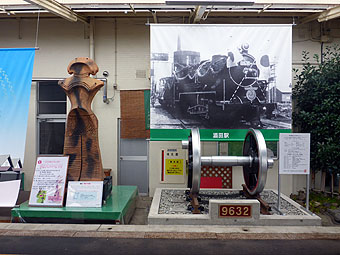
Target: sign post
(84, 194)
(48, 186)
(294, 155)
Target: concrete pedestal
(300, 218)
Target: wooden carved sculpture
(81, 134)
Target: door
(133, 163)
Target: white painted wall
(155, 148)
(60, 41)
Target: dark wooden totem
(81, 134)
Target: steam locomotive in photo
(220, 90)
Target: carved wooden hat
(82, 65)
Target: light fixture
(216, 2)
(58, 9)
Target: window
(51, 117)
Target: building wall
(122, 45)
(60, 41)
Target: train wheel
(255, 175)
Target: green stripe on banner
(213, 134)
(147, 108)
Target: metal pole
(118, 151)
(278, 179)
(147, 162)
(307, 195)
(279, 191)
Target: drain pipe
(92, 38)
(105, 100)
(106, 73)
(116, 52)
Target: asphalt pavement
(67, 245)
(141, 238)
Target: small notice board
(294, 153)
(174, 166)
(48, 186)
(84, 194)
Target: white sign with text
(48, 186)
(84, 194)
(294, 153)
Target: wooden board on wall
(133, 114)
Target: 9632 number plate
(234, 211)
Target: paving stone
(253, 236)
(180, 235)
(5, 225)
(40, 233)
(111, 234)
(55, 227)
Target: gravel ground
(174, 201)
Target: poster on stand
(220, 76)
(294, 153)
(84, 194)
(48, 186)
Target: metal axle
(255, 161)
(226, 160)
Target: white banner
(221, 76)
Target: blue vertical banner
(16, 67)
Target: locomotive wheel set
(255, 163)
(218, 89)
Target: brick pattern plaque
(133, 115)
(219, 171)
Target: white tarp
(9, 191)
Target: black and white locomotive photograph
(221, 76)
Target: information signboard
(174, 166)
(84, 194)
(294, 153)
(48, 186)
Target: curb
(170, 232)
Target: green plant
(317, 95)
(320, 202)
